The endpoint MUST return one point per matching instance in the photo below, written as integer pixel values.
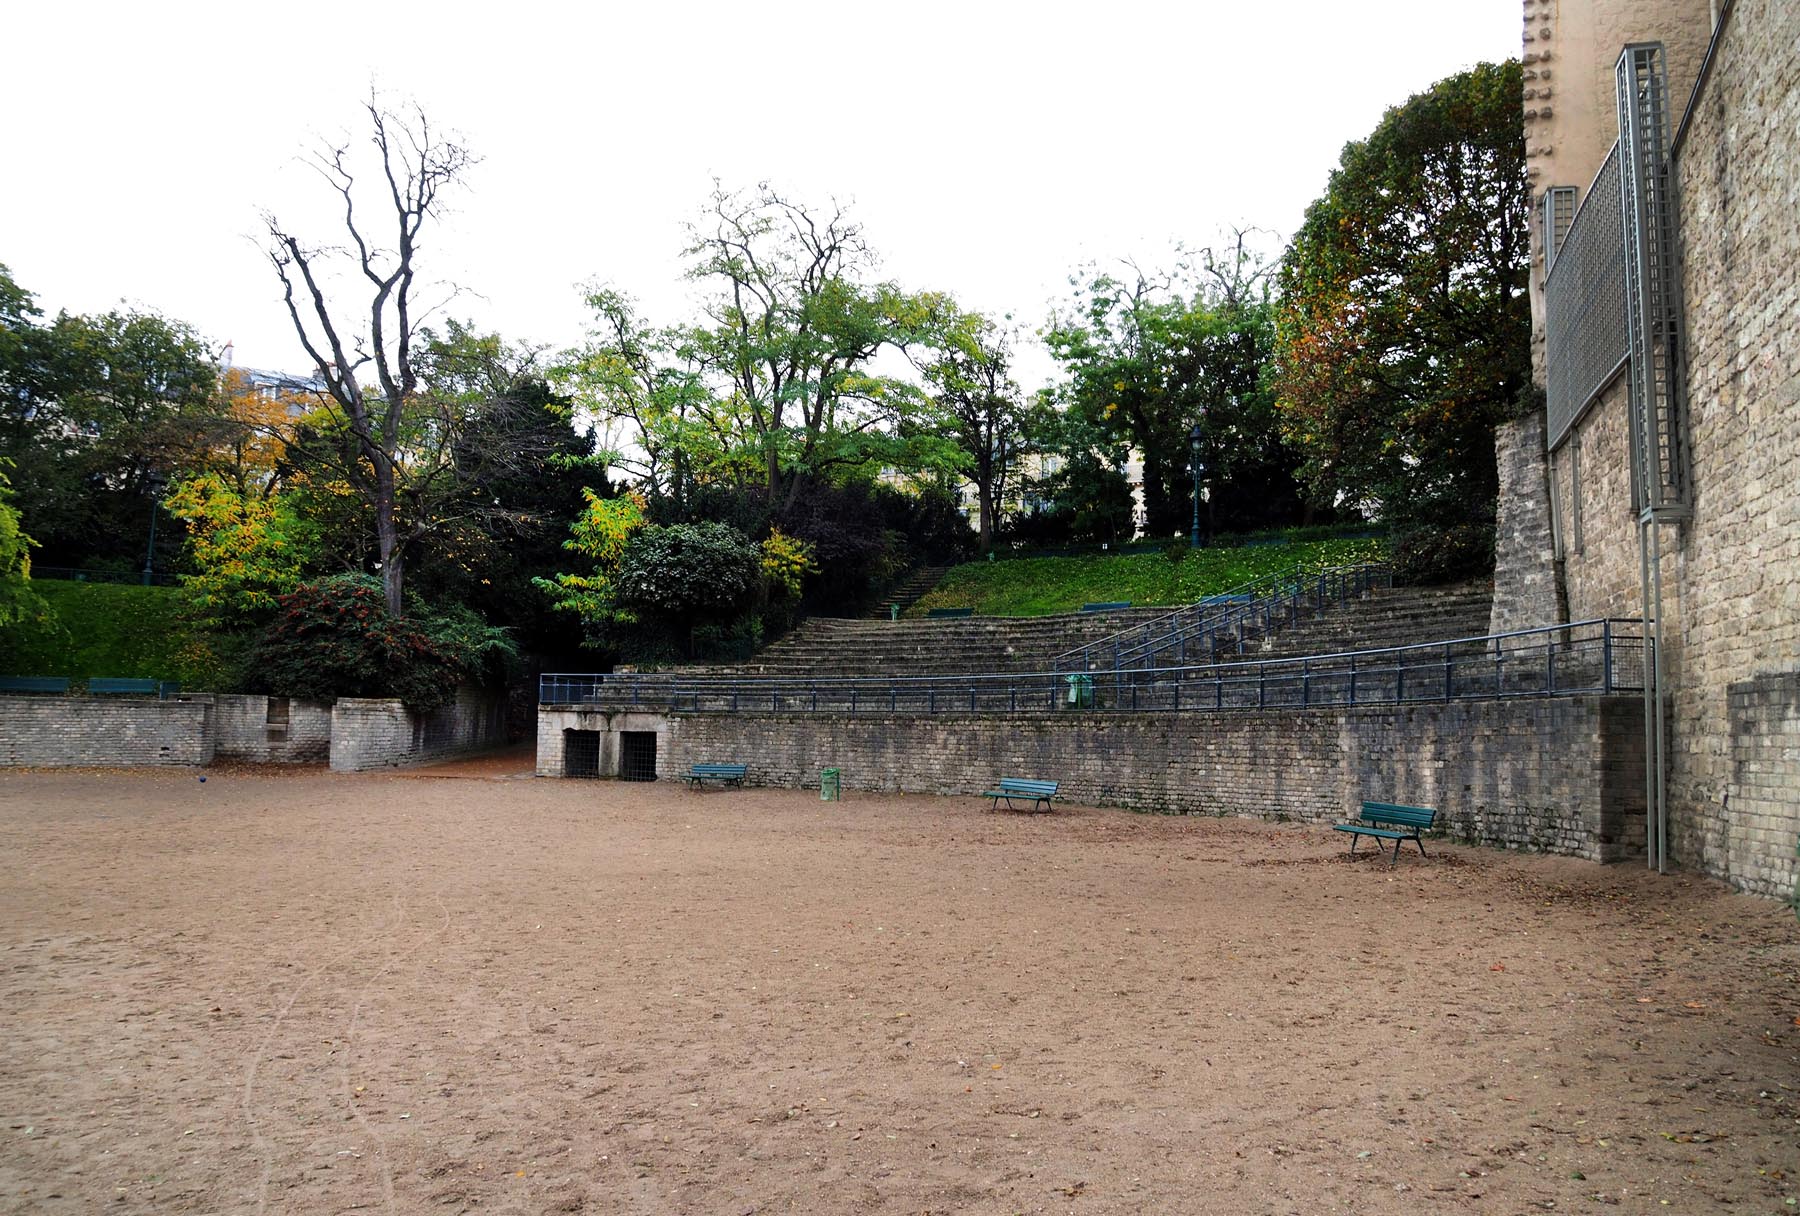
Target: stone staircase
(908, 591)
(1386, 616)
(825, 647)
(830, 646)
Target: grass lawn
(1035, 586)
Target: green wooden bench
(34, 683)
(1106, 606)
(942, 613)
(1387, 821)
(118, 686)
(1034, 794)
(724, 774)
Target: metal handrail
(1601, 655)
(1258, 601)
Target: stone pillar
(1527, 584)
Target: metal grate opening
(637, 755)
(581, 753)
(1558, 217)
(1585, 340)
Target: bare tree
(416, 165)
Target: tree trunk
(984, 498)
(387, 540)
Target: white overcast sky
(989, 149)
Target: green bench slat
(1415, 818)
(1022, 788)
(34, 683)
(118, 684)
(702, 773)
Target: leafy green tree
(1149, 357)
(246, 550)
(1403, 330)
(17, 600)
(794, 325)
(95, 413)
(1085, 495)
(968, 371)
(687, 575)
(649, 388)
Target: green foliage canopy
(1403, 328)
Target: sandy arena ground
(474, 991)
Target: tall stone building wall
(1569, 49)
(1731, 573)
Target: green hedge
(105, 629)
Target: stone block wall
(1762, 829)
(1731, 573)
(104, 731)
(1562, 775)
(376, 732)
(244, 729)
(1526, 591)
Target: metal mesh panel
(1585, 341)
(581, 753)
(1558, 215)
(637, 755)
(1659, 458)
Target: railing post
(853, 698)
(815, 698)
(1262, 687)
(1306, 681)
(1499, 674)
(1352, 678)
(1448, 666)
(892, 704)
(1550, 663)
(1606, 665)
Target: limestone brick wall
(1562, 775)
(1735, 569)
(376, 732)
(1526, 591)
(104, 731)
(1759, 834)
(1731, 574)
(1569, 49)
(242, 730)
(1601, 572)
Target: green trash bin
(830, 785)
(1081, 691)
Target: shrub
(1423, 556)
(336, 638)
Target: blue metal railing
(1225, 622)
(1585, 657)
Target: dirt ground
(467, 990)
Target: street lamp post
(156, 484)
(1194, 448)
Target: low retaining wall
(271, 730)
(371, 733)
(57, 732)
(1561, 775)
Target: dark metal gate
(637, 755)
(581, 753)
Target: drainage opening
(637, 755)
